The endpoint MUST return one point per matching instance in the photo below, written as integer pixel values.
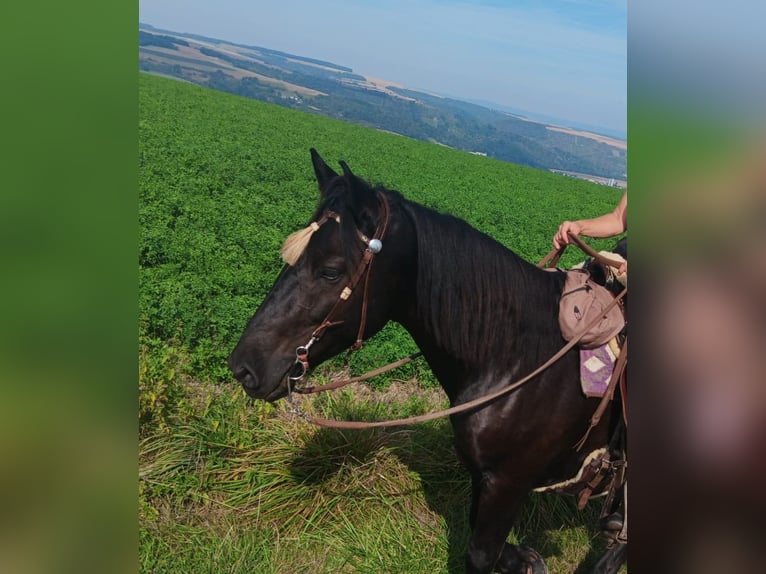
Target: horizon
(566, 61)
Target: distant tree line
(149, 39)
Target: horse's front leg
(494, 506)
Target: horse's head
(340, 285)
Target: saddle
(589, 288)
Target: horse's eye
(330, 273)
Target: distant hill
(337, 91)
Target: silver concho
(375, 245)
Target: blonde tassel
(296, 243)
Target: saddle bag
(582, 300)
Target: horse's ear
(346, 170)
(323, 172)
(361, 198)
(355, 183)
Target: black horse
(483, 318)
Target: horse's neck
(472, 298)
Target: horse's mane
(478, 298)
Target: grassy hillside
(228, 485)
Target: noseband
(373, 246)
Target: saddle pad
(596, 366)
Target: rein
(550, 259)
(554, 254)
(331, 423)
(374, 373)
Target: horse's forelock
(335, 201)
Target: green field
(228, 485)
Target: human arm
(607, 225)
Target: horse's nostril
(240, 373)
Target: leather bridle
(373, 245)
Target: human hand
(562, 235)
(623, 268)
(621, 273)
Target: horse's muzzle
(258, 387)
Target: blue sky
(559, 58)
